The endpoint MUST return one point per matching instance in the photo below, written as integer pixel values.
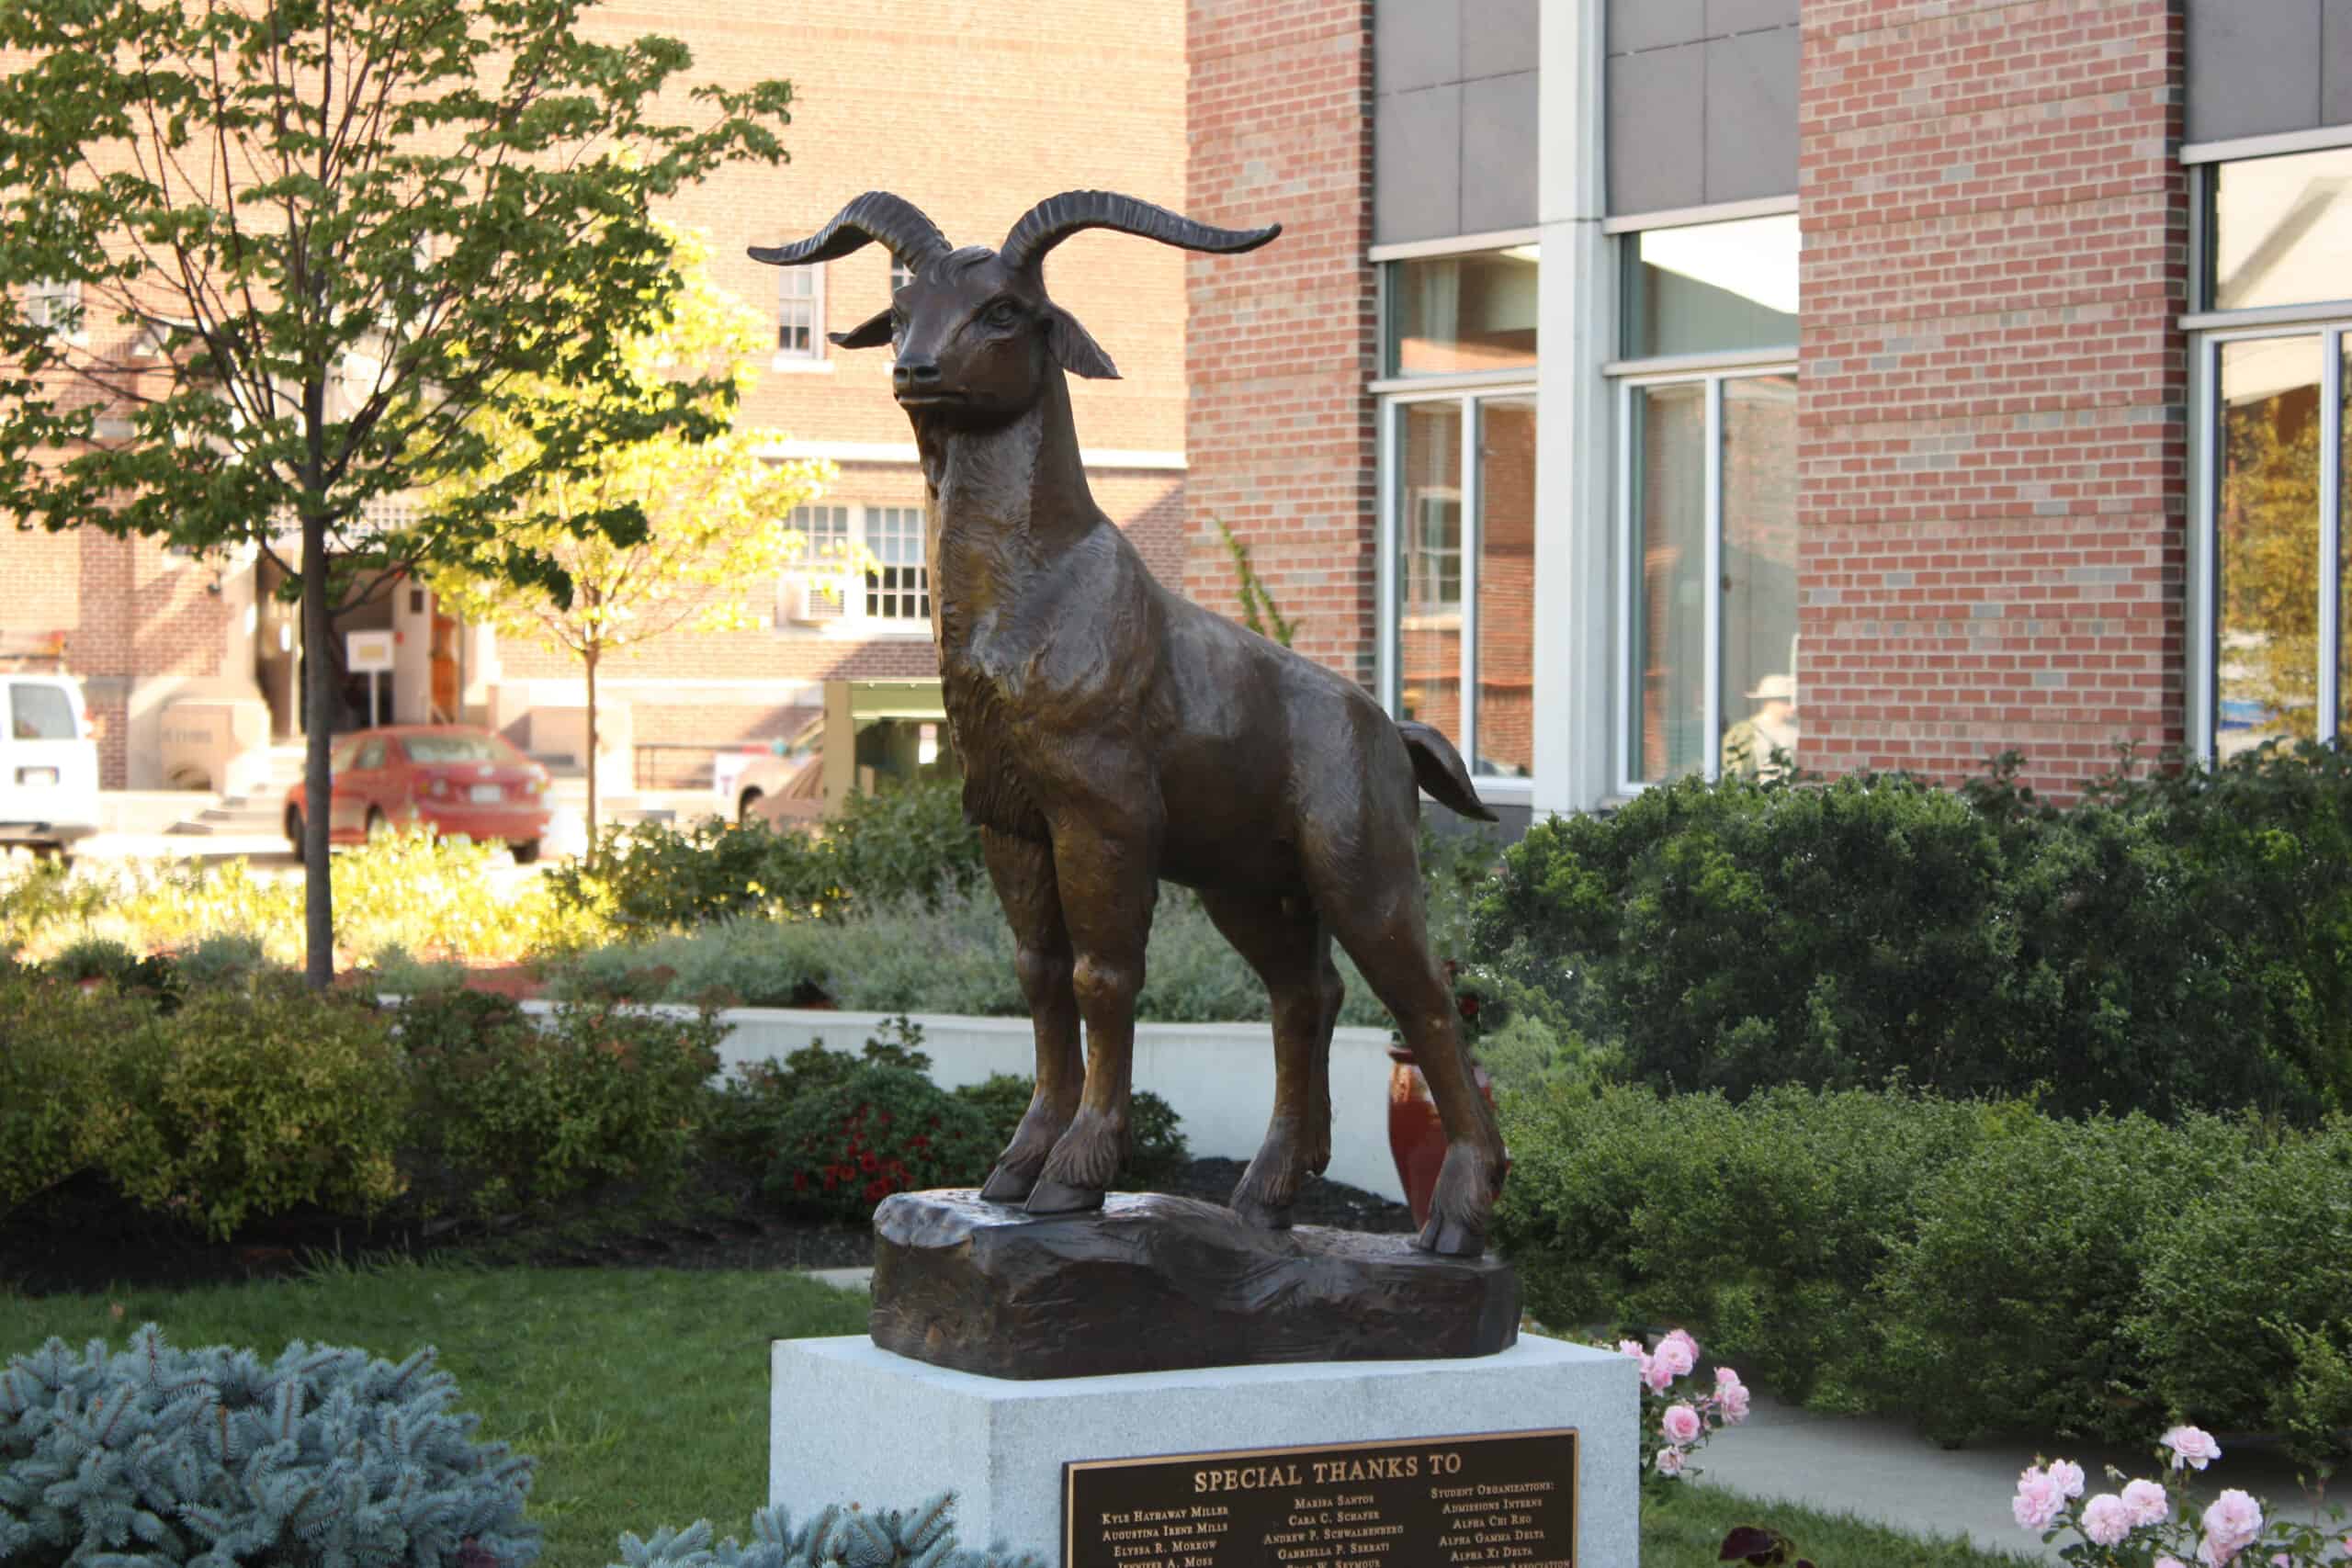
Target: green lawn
(644, 1393)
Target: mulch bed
(82, 1238)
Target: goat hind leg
(1291, 952)
(1023, 874)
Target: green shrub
(2011, 1293)
(164, 1457)
(2167, 945)
(906, 841)
(59, 1112)
(2244, 1310)
(223, 959)
(746, 1112)
(93, 958)
(524, 1111)
(1759, 1225)
(843, 1148)
(249, 1103)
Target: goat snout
(914, 375)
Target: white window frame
(43, 298)
(872, 519)
(849, 588)
(2332, 331)
(2330, 321)
(1627, 378)
(787, 304)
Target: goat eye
(1003, 313)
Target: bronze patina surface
(1113, 734)
(1155, 1283)
(1497, 1498)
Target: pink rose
(1732, 1400)
(2147, 1502)
(1678, 1352)
(1633, 1347)
(2231, 1521)
(1669, 1461)
(1655, 1374)
(2192, 1446)
(2105, 1520)
(2068, 1475)
(1681, 1425)
(2170, 1561)
(2039, 1500)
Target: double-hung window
(825, 589)
(1457, 423)
(801, 313)
(55, 305)
(2272, 363)
(1706, 485)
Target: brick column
(1992, 418)
(1280, 437)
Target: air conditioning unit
(811, 601)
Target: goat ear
(872, 332)
(1078, 353)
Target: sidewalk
(1883, 1471)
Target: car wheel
(744, 807)
(526, 851)
(377, 828)
(294, 830)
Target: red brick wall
(1281, 437)
(1991, 445)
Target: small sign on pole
(369, 654)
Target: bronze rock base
(1155, 1283)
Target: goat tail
(1437, 766)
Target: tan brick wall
(1991, 424)
(1282, 340)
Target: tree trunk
(588, 658)
(318, 785)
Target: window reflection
(1669, 612)
(1760, 560)
(2281, 230)
(1712, 287)
(1429, 574)
(2343, 543)
(2269, 518)
(1505, 664)
(1451, 314)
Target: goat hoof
(1449, 1238)
(1007, 1185)
(1259, 1215)
(1050, 1197)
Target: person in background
(1748, 745)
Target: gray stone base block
(850, 1423)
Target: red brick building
(1910, 380)
(973, 112)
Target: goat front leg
(1108, 886)
(1023, 874)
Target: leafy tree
(715, 509)
(263, 265)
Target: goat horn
(1056, 217)
(895, 221)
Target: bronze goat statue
(1113, 734)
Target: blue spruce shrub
(835, 1538)
(158, 1458)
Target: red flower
(867, 1163)
(801, 1181)
(1468, 1005)
(918, 1142)
(877, 1190)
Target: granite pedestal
(849, 1422)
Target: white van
(49, 763)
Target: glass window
(451, 748)
(2344, 541)
(899, 587)
(813, 592)
(2267, 513)
(56, 306)
(1448, 315)
(40, 712)
(1429, 572)
(1668, 614)
(2282, 227)
(801, 313)
(1505, 666)
(1711, 287)
(371, 756)
(1759, 573)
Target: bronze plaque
(1499, 1498)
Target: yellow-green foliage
(246, 1102)
(57, 1115)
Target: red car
(453, 779)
